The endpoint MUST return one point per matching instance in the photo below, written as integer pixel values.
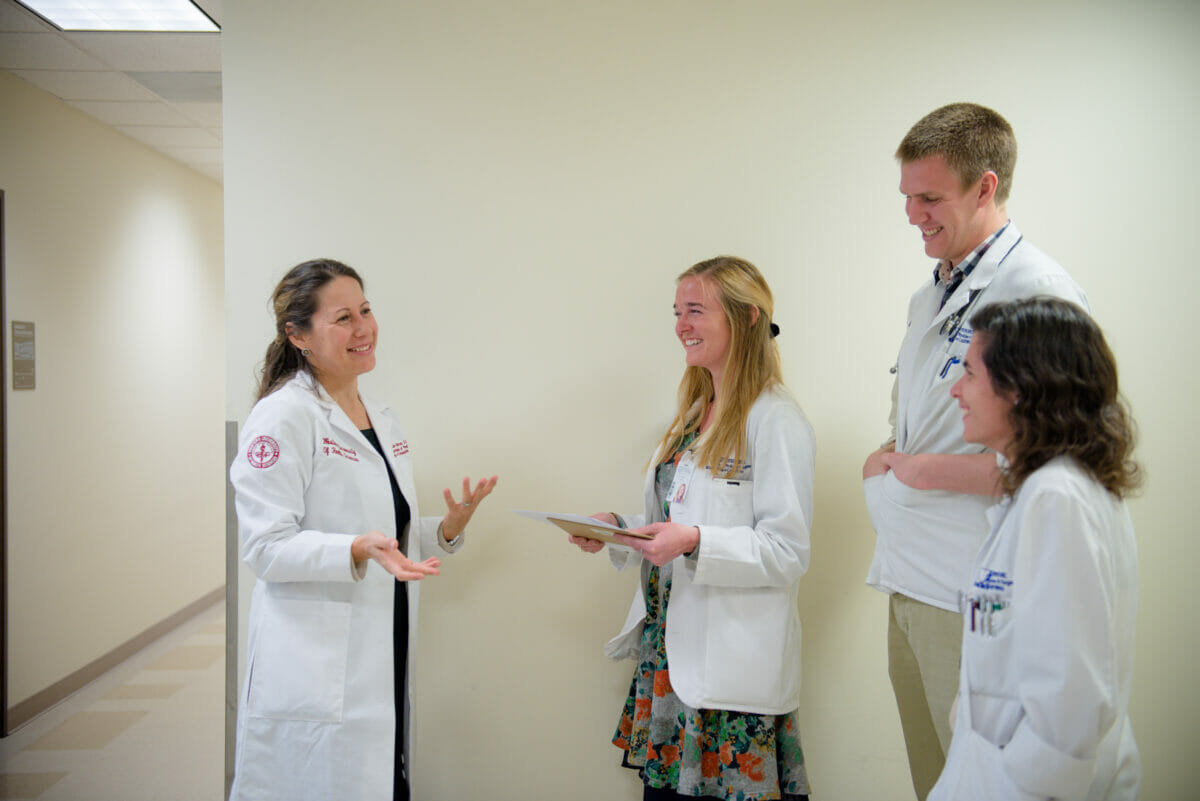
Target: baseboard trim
(36, 704)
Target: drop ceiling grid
(88, 70)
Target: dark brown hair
(1052, 357)
(294, 302)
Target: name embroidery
(400, 448)
(331, 448)
(996, 580)
(743, 473)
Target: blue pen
(953, 360)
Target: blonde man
(926, 488)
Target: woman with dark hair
(1048, 618)
(714, 626)
(329, 524)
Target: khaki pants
(924, 653)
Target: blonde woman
(714, 627)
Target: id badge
(683, 477)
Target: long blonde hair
(751, 366)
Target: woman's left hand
(669, 540)
(458, 513)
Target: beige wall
(520, 182)
(115, 460)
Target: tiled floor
(151, 729)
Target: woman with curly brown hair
(1048, 616)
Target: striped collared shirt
(950, 277)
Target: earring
(306, 352)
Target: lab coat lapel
(395, 447)
(341, 421)
(981, 276)
(989, 265)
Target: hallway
(151, 729)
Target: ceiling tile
(206, 114)
(142, 113)
(159, 136)
(153, 52)
(214, 171)
(182, 86)
(43, 51)
(212, 8)
(18, 18)
(163, 89)
(194, 155)
(71, 85)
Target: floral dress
(736, 756)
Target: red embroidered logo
(331, 448)
(400, 448)
(263, 452)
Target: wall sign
(23, 355)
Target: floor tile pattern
(151, 728)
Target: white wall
(115, 460)
(519, 184)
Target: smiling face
(701, 326)
(952, 220)
(986, 418)
(342, 335)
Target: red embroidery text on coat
(331, 448)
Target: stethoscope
(955, 322)
(952, 326)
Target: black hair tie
(774, 330)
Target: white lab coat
(317, 714)
(733, 627)
(1044, 686)
(925, 539)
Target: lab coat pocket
(731, 503)
(975, 772)
(753, 656)
(298, 668)
(873, 493)
(995, 717)
(908, 497)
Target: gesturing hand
(386, 551)
(458, 514)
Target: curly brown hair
(1053, 358)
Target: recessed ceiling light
(122, 15)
